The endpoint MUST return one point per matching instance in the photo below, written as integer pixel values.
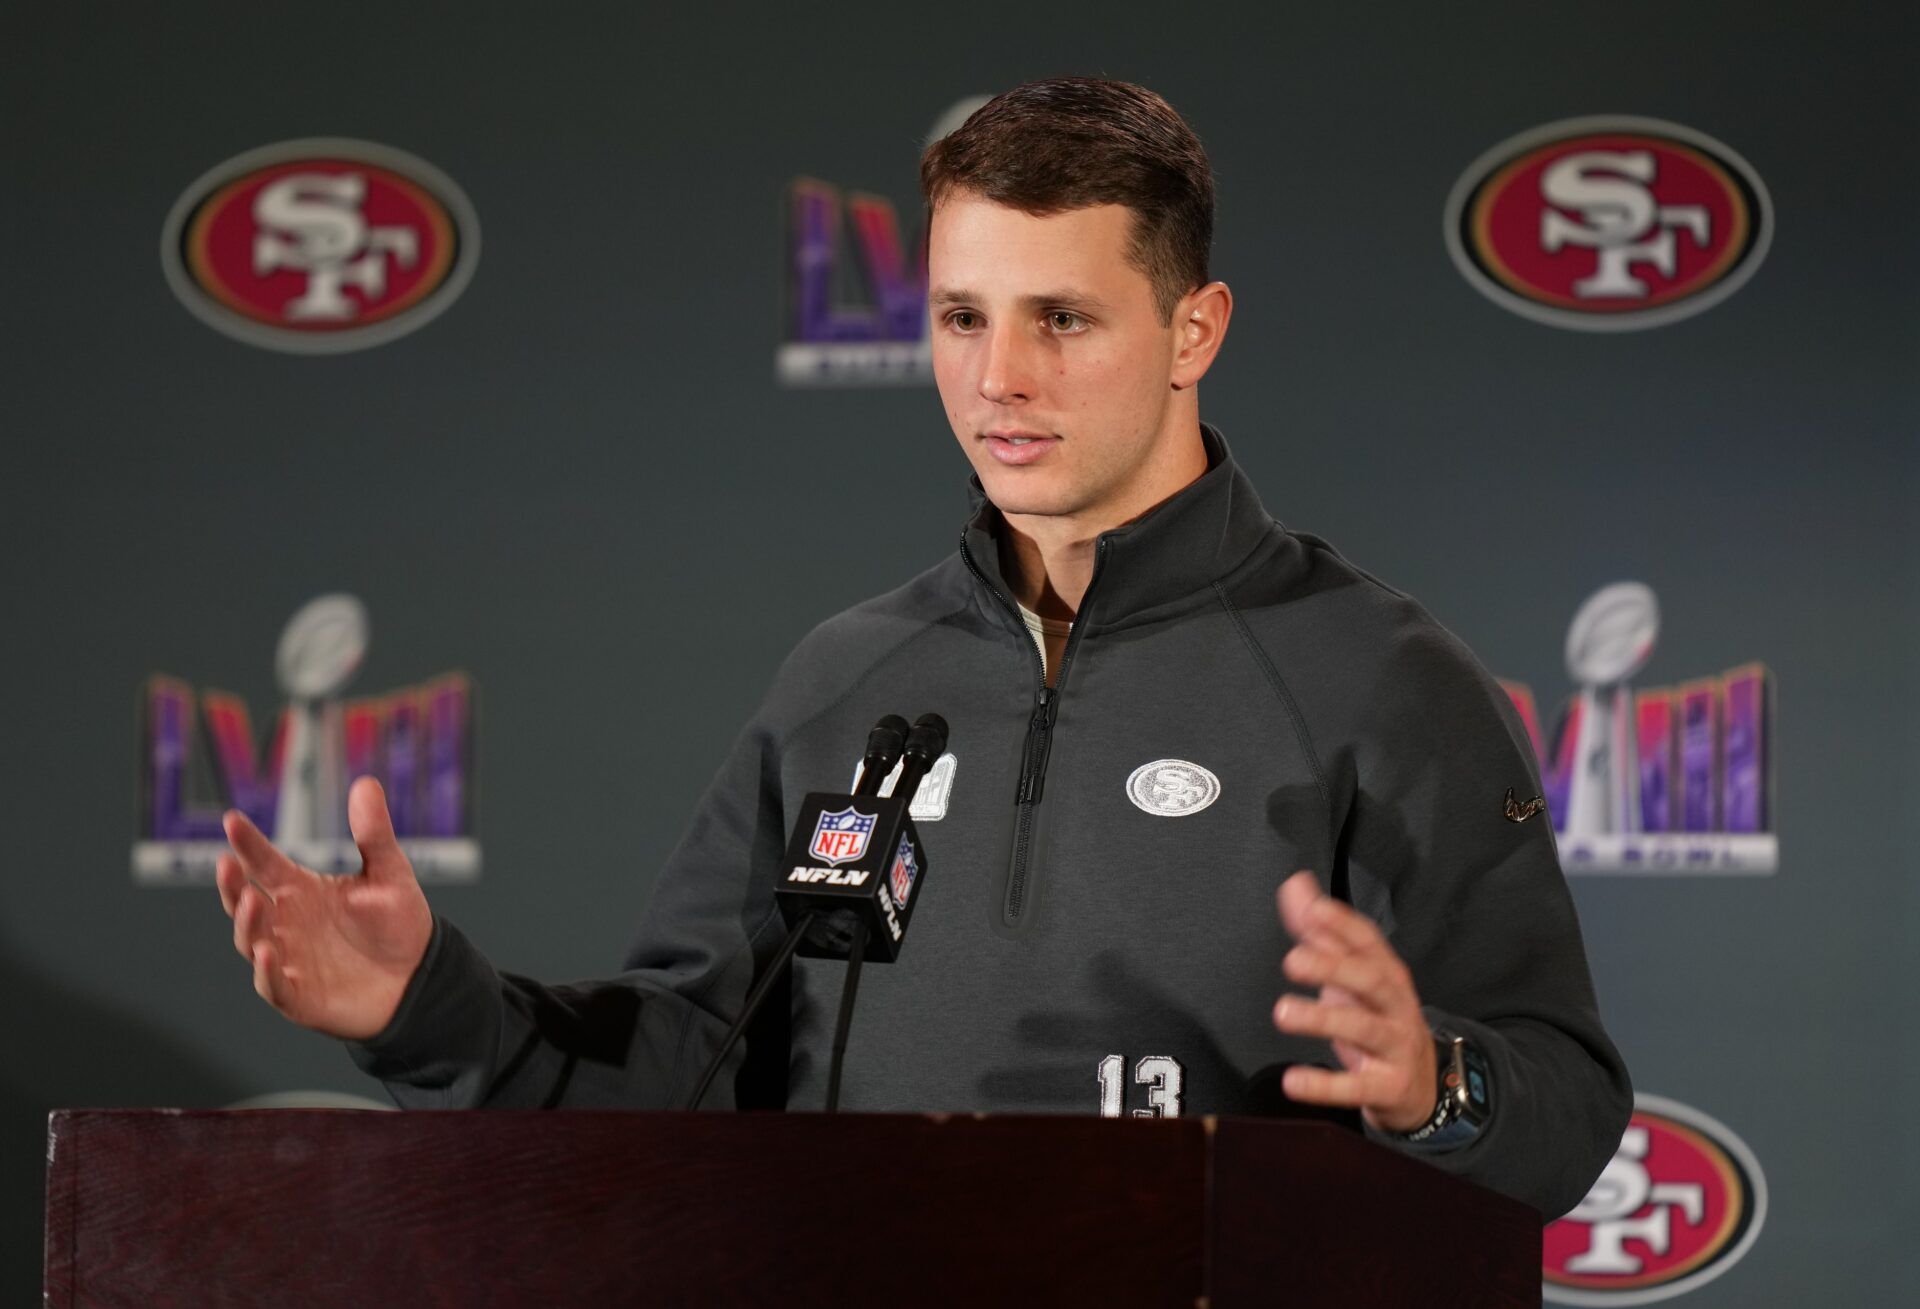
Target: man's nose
(1006, 375)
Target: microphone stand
(848, 988)
(923, 745)
(890, 741)
(775, 968)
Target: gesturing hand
(330, 953)
(1367, 1007)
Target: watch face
(1479, 1093)
(1477, 1088)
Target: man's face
(1050, 356)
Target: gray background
(582, 485)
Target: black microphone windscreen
(929, 736)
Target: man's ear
(1200, 325)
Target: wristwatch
(1465, 1099)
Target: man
(1161, 702)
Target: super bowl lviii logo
(320, 246)
(1608, 224)
(200, 756)
(875, 333)
(856, 288)
(1674, 779)
(1680, 1202)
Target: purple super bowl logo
(856, 290)
(1654, 780)
(200, 755)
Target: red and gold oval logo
(1679, 1203)
(1608, 224)
(320, 246)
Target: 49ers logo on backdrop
(1679, 1203)
(1608, 224)
(320, 246)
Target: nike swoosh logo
(1517, 812)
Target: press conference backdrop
(567, 402)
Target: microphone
(884, 744)
(851, 868)
(854, 860)
(925, 743)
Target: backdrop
(585, 484)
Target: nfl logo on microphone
(905, 869)
(841, 837)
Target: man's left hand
(1367, 1008)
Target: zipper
(1033, 759)
(1040, 725)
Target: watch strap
(1462, 1097)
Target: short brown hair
(1073, 142)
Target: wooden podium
(334, 1208)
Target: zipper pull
(1033, 760)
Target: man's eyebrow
(1065, 296)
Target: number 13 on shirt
(1160, 1074)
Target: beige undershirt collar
(1041, 628)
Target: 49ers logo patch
(1172, 788)
(1679, 1203)
(320, 246)
(1608, 224)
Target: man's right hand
(333, 953)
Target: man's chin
(1028, 501)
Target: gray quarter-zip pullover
(1096, 931)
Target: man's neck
(1049, 571)
(1048, 558)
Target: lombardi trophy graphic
(319, 653)
(1611, 640)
